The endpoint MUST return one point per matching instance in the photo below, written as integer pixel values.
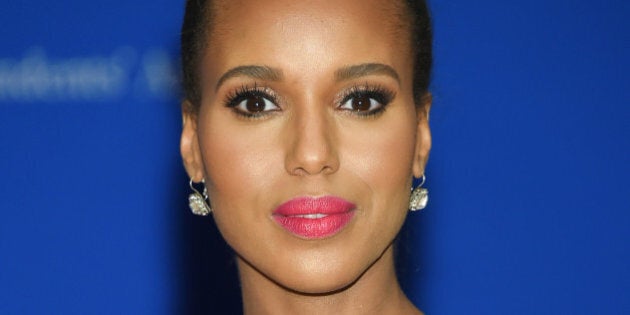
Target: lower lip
(328, 223)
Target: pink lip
(314, 218)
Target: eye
(366, 100)
(255, 104)
(361, 103)
(252, 102)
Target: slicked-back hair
(197, 25)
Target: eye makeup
(363, 100)
(252, 101)
(366, 93)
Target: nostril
(309, 158)
(300, 171)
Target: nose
(311, 143)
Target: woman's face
(307, 99)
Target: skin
(309, 146)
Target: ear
(423, 136)
(189, 144)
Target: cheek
(238, 163)
(382, 158)
(236, 159)
(383, 155)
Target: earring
(419, 197)
(197, 202)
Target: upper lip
(326, 205)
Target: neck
(377, 291)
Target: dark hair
(194, 37)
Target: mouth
(314, 218)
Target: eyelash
(379, 93)
(236, 97)
(376, 92)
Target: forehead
(307, 34)
(329, 8)
(387, 15)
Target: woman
(306, 121)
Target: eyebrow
(343, 74)
(365, 69)
(252, 71)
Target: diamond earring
(419, 197)
(197, 201)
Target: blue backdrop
(528, 175)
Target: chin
(320, 284)
(321, 275)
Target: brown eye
(255, 104)
(361, 103)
